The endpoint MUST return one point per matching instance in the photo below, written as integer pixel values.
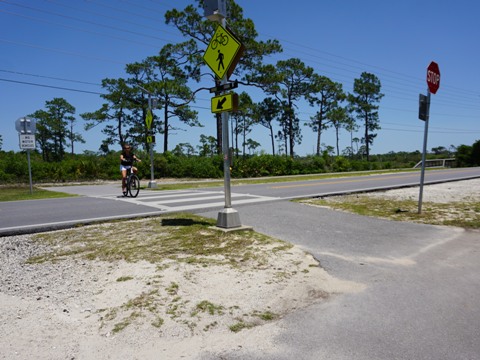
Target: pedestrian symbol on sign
(220, 60)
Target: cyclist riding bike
(126, 162)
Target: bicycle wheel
(133, 185)
(127, 182)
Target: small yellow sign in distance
(227, 102)
(149, 119)
(223, 52)
(150, 139)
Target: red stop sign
(433, 77)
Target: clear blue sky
(75, 44)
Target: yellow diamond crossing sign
(149, 119)
(227, 102)
(223, 52)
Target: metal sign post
(26, 128)
(226, 160)
(433, 82)
(424, 154)
(150, 136)
(29, 172)
(151, 184)
(222, 54)
(228, 217)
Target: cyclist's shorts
(125, 167)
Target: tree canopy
(55, 128)
(364, 103)
(170, 81)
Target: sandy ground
(76, 309)
(457, 191)
(82, 309)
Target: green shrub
(341, 164)
(92, 166)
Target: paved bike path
(421, 288)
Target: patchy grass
(172, 289)
(22, 192)
(266, 316)
(208, 307)
(239, 326)
(158, 322)
(145, 301)
(170, 241)
(462, 214)
(180, 237)
(126, 321)
(180, 184)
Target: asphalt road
(341, 185)
(104, 202)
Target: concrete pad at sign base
(152, 184)
(234, 229)
(228, 218)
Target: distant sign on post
(149, 119)
(423, 107)
(433, 77)
(25, 125)
(27, 142)
(26, 128)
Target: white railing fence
(436, 163)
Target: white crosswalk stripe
(184, 200)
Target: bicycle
(132, 184)
(221, 39)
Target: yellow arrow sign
(149, 119)
(227, 102)
(223, 52)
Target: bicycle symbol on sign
(220, 39)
